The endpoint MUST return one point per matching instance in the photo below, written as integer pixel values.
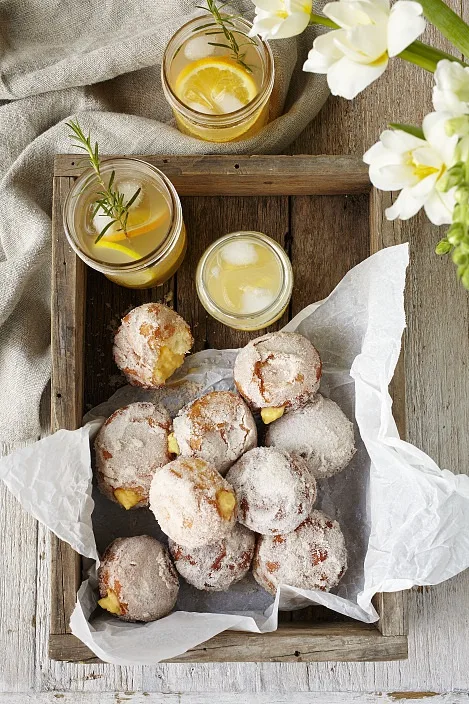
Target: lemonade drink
(245, 280)
(155, 243)
(214, 96)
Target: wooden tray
(323, 210)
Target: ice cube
(215, 272)
(254, 299)
(200, 108)
(100, 221)
(128, 188)
(197, 48)
(228, 103)
(239, 253)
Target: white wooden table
(438, 419)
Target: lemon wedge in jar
(131, 253)
(215, 86)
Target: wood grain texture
(438, 617)
(251, 175)
(130, 697)
(288, 220)
(294, 642)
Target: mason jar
(245, 280)
(212, 95)
(155, 244)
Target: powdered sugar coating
(140, 572)
(142, 335)
(216, 567)
(275, 491)
(319, 432)
(313, 556)
(217, 427)
(185, 498)
(131, 445)
(277, 369)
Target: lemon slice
(215, 85)
(104, 244)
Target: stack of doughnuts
(224, 502)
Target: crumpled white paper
(404, 519)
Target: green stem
(430, 52)
(323, 21)
(448, 22)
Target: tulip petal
(439, 207)
(399, 176)
(293, 25)
(404, 207)
(346, 15)
(405, 25)
(269, 6)
(434, 129)
(400, 141)
(317, 63)
(265, 27)
(348, 79)
(424, 187)
(363, 44)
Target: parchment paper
(404, 519)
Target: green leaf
(225, 46)
(448, 22)
(111, 180)
(133, 199)
(104, 230)
(410, 129)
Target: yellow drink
(155, 243)
(245, 280)
(213, 96)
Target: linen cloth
(98, 61)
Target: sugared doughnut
(151, 344)
(131, 445)
(217, 427)
(277, 371)
(313, 556)
(137, 580)
(192, 502)
(216, 567)
(275, 491)
(319, 432)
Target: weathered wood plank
(329, 237)
(251, 175)
(392, 607)
(271, 698)
(68, 296)
(295, 642)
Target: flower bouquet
(428, 164)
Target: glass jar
(245, 280)
(156, 241)
(216, 115)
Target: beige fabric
(59, 59)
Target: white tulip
(451, 91)
(279, 19)
(370, 32)
(400, 161)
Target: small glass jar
(156, 241)
(245, 280)
(189, 46)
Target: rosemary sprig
(109, 200)
(223, 24)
